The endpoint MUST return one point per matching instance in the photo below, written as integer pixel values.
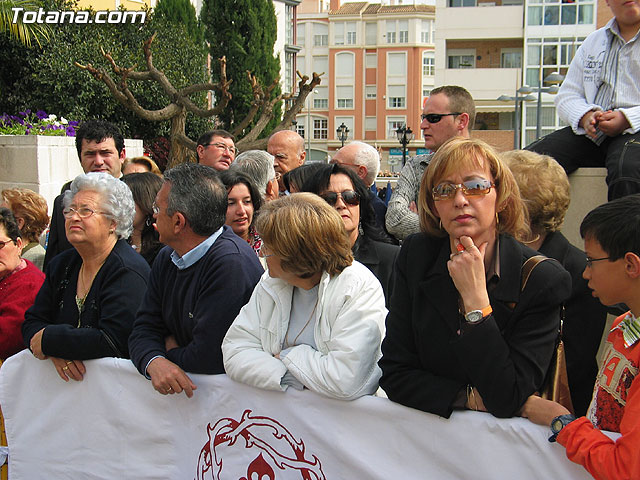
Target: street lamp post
(343, 133)
(405, 135)
(554, 78)
(518, 99)
(309, 98)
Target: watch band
(558, 423)
(475, 316)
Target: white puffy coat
(348, 334)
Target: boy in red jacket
(611, 234)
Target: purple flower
(41, 114)
(25, 113)
(73, 123)
(71, 132)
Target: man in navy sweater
(198, 283)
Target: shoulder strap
(528, 267)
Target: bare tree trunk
(179, 153)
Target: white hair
(258, 166)
(369, 157)
(117, 199)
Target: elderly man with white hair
(258, 166)
(364, 159)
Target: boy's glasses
(348, 196)
(469, 188)
(591, 260)
(435, 117)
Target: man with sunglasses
(448, 112)
(216, 149)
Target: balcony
(482, 83)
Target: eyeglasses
(591, 260)
(436, 117)
(223, 147)
(2, 244)
(83, 212)
(264, 252)
(470, 188)
(155, 209)
(348, 196)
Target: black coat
(426, 363)
(107, 319)
(584, 321)
(380, 258)
(57, 242)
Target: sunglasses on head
(348, 196)
(477, 186)
(435, 117)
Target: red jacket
(17, 293)
(615, 407)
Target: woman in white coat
(316, 318)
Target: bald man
(287, 148)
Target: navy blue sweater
(109, 310)
(196, 305)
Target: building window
(462, 3)
(338, 33)
(510, 58)
(289, 24)
(351, 33)
(428, 64)
(371, 60)
(300, 34)
(370, 124)
(370, 92)
(550, 55)
(560, 12)
(320, 64)
(320, 128)
(348, 122)
(403, 31)
(391, 31)
(290, 59)
(300, 128)
(393, 123)
(344, 65)
(426, 32)
(301, 64)
(321, 98)
(344, 96)
(461, 58)
(371, 33)
(320, 35)
(396, 95)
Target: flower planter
(43, 163)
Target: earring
(440, 224)
(497, 219)
(360, 229)
(149, 221)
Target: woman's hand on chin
(466, 267)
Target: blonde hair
(306, 233)
(460, 153)
(32, 208)
(145, 162)
(544, 188)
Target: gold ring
(65, 368)
(69, 363)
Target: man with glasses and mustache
(216, 149)
(448, 112)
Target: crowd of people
(284, 273)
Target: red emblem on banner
(272, 447)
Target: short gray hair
(369, 157)
(258, 166)
(198, 193)
(117, 200)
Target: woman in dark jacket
(341, 188)
(87, 304)
(460, 332)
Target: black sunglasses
(348, 196)
(435, 117)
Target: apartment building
(378, 65)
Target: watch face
(474, 316)
(557, 425)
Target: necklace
(83, 287)
(286, 337)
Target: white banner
(113, 425)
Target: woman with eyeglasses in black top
(341, 188)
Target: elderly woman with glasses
(87, 304)
(341, 188)
(20, 281)
(461, 331)
(315, 319)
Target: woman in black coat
(460, 332)
(341, 188)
